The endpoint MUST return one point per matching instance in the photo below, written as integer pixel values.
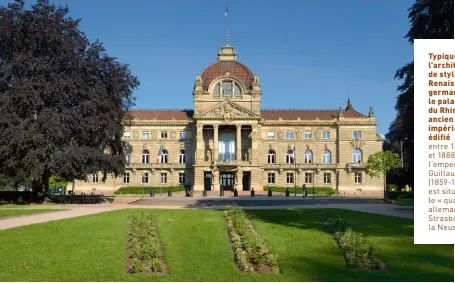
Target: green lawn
(10, 205)
(16, 212)
(197, 248)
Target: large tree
(430, 19)
(63, 101)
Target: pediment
(227, 110)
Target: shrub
(334, 225)
(357, 251)
(145, 253)
(140, 190)
(250, 250)
(317, 190)
(402, 195)
(392, 187)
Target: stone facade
(227, 140)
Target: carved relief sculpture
(298, 135)
(280, 135)
(227, 112)
(357, 143)
(136, 135)
(317, 134)
(173, 135)
(198, 80)
(154, 135)
(209, 155)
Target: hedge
(146, 189)
(21, 197)
(317, 190)
(400, 195)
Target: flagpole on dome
(227, 22)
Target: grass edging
(358, 253)
(251, 253)
(145, 253)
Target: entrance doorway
(208, 181)
(246, 181)
(227, 181)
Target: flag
(226, 13)
(293, 154)
(160, 152)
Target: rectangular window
(327, 178)
(145, 178)
(182, 178)
(326, 135)
(271, 135)
(182, 135)
(145, 135)
(126, 135)
(307, 135)
(163, 178)
(163, 134)
(308, 178)
(357, 134)
(95, 178)
(289, 178)
(126, 178)
(289, 135)
(271, 178)
(358, 178)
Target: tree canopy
(380, 163)
(430, 19)
(64, 101)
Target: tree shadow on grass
(392, 238)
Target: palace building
(228, 141)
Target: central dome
(227, 64)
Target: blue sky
(308, 53)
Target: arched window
(227, 88)
(164, 156)
(326, 157)
(290, 157)
(357, 156)
(145, 156)
(128, 158)
(271, 157)
(308, 156)
(182, 156)
(226, 148)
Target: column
(199, 144)
(215, 143)
(238, 144)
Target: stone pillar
(255, 154)
(199, 144)
(215, 143)
(238, 144)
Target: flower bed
(144, 250)
(357, 251)
(251, 253)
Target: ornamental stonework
(357, 143)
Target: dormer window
(227, 88)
